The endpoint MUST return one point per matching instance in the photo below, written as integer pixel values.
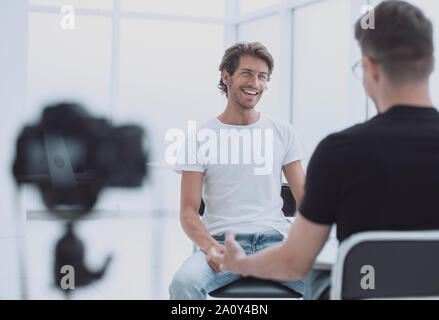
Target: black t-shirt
(379, 175)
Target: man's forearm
(299, 196)
(196, 231)
(270, 263)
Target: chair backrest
(387, 265)
(289, 206)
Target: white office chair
(387, 265)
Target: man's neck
(235, 115)
(410, 95)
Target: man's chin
(246, 106)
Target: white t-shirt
(242, 175)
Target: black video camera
(72, 156)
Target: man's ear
(373, 68)
(225, 76)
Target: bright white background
(155, 63)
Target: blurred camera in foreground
(72, 156)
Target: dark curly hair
(231, 57)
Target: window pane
(266, 31)
(168, 75)
(86, 4)
(196, 8)
(322, 77)
(69, 64)
(246, 6)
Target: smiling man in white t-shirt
(236, 166)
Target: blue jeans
(316, 283)
(195, 278)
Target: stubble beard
(238, 102)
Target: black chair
(250, 287)
(387, 265)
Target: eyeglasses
(357, 69)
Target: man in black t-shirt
(379, 175)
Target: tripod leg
(20, 229)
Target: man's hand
(233, 256)
(214, 251)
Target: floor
(146, 251)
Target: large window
(326, 96)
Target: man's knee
(187, 285)
(186, 279)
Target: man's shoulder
(282, 127)
(358, 130)
(276, 121)
(212, 123)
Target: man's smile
(250, 91)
